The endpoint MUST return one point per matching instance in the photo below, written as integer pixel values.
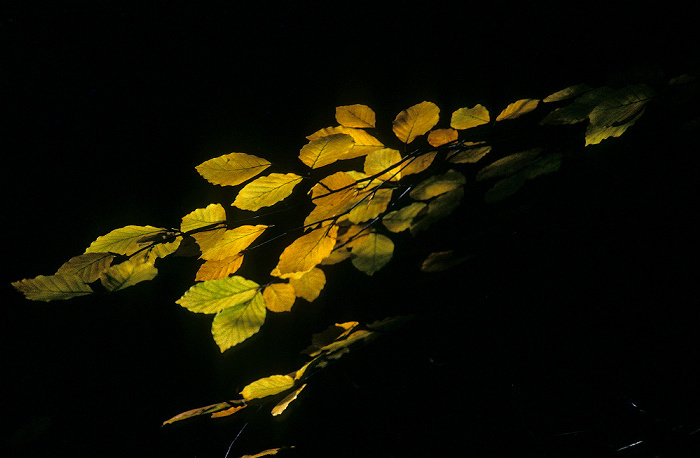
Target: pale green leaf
(266, 191)
(203, 217)
(326, 150)
(372, 253)
(125, 240)
(232, 169)
(355, 116)
(233, 325)
(267, 386)
(518, 108)
(416, 121)
(54, 287)
(466, 118)
(215, 295)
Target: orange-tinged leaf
(268, 452)
(266, 191)
(267, 386)
(279, 297)
(419, 163)
(43, 288)
(466, 118)
(88, 266)
(309, 285)
(440, 137)
(383, 160)
(306, 252)
(227, 412)
(215, 269)
(233, 325)
(284, 403)
(372, 253)
(355, 116)
(518, 108)
(233, 241)
(326, 150)
(416, 121)
(232, 169)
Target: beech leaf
(416, 121)
(509, 164)
(284, 403)
(215, 295)
(326, 150)
(517, 109)
(372, 253)
(220, 268)
(384, 159)
(129, 273)
(233, 241)
(438, 184)
(355, 116)
(309, 285)
(125, 240)
(267, 386)
(266, 191)
(439, 137)
(88, 266)
(306, 252)
(53, 287)
(466, 118)
(232, 169)
(279, 297)
(233, 325)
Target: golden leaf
(518, 108)
(215, 295)
(232, 169)
(233, 241)
(227, 412)
(309, 285)
(382, 160)
(43, 288)
(221, 406)
(400, 220)
(372, 253)
(571, 91)
(466, 118)
(306, 252)
(419, 163)
(267, 386)
(371, 206)
(279, 297)
(440, 137)
(266, 191)
(211, 215)
(326, 150)
(233, 325)
(416, 121)
(284, 403)
(215, 269)
(355, 116)
(364, 142)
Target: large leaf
(438, 184)
(326, 150)
(509, 164)
(233, 325)
(49, 288)
(400, 220)
(129, 273)
(215, 295)
(383, 161)
(306, 252)
(371, 206)
(466, 118)
(266, 191)
(267, 386)
(202, 217)
(416, 121)
(232, 169)
(309, 285)
(233, 241)
(517, 109)
(279, 297)
(88, 266)
(372, 253)
(219, 268)
(364, 142)
(355, 116)
(125, 240)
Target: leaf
(597, 133)
(221, 406)
(309, 285)
(233, 325)
(416, 121)
(88, 266)
(623, 106)
(284, 403)
(579, 109)
(266, 191)
(215, 269)
(505, 188)
(418, 163)
(441, 261)
(333, 196)
(383, 160)
(509, 164)
(54, 287)
(215, 295)
(364, 142)
(125, 240)
(129, 273)
(439, 137)
(272, 451)
(518, 108)
(544, 166)
(232, 169)
(329, 335)
(227, 412)
(402, 219)
(306, 252)
(372, 253)
(438, 208)
(211, 215)
(326, 150)
(438, 184)
(268, 386)
(466, 118)
(571, 91)
(355, 116)
(233, 241)
(371, 206)
(279, 297)
(470, 155)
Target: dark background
(571, 333)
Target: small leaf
(233, 325)
(309, 285)
(416, 121)
(438, 184)
(509, 164)
(125, 240)
(129, 273)
(53, 287)
(518, 108)
(284, 403)
(272, 451)
(88, 266)
(466, 118)
(227, 412)
(221, 406)
(383, 160)
(216, 269)
(364, 142)
(306, 252)
(571, 91)
(371, 206)
(267, 386)
(372, 253)
(439, 137)
(279, 297)
(232, 169)
(215, 295)
(355, 116)
(326, 150)
(266, 191)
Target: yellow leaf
(326, 150)
(227, 412)
(88, 266)
(216, 269)
(232, 169)
(309, 285)
(284, 403)
(372, 253)
(333, 196)
(509, 164)
(438, 184)
(128, 273)
(470, 155)
(233, 325)
(267, 386)
(371, 206)
(518, 108)
(402, 219)
(272, 451)
(419, 163)
(355, 116)
(53, 287)
(233, 241)
(466, 118)
(440, 137)
(416, 121)
(383, 160)
(125, 240)
(364, 142)
(215, 295)
(221, 406)
(211, 215)
(279, 297)
(306, 252)
(266, 191)
(331, 334)
(571, 91)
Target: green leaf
(232, 169)
(571, 91)
(88, 266)
(125, 240)
(266, 191)
(233, 325)
(372, 252)
(579, 109)
(268, 386)
(623, 106)
(215, 295)
(400, 220)
(505, 188)
(54, 287)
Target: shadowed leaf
(129, 273)
(438, 184)
(571, 91)
(88, 266)
(372, 253)
(509, 164)
(43, 288)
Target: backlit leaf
(54, 287)
(579, 109)
(306, 252)
(215, 269)
(227, 412)
(364, 142)
(326, 150)
(232, 169)
(233, 241)
(233, 325)
(384, 159)
(509, 164)
(129, 273)
(416, 121)
(372, 253)
(371, 206)
(440, 137)
(279, 297)
(88, 266)
(266, 191)
(215, 295)
(124, 240)
(284, 403)
(267, 386)
(571, 91)
(333, 196)
(202, 217)
(466, 118)
(596, 133)
(402, 219)
(221, 406)
(418, 164)
(309, 285)
(470, 155)
(518, 108)
(438, 184)
(355, 116)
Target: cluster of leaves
(354, 212)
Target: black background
(578, 307)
